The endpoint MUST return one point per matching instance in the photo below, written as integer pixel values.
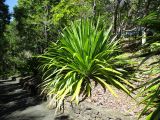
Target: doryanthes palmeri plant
(151, 96)
(85, 53)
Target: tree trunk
(115, 16)
(45, 25)
(94, 8)
(146, 10)
(144, 36)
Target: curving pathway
(18, 104)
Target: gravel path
(18, 104)
(122, 103)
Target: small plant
(151, 96)
(85, 53)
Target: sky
(11, 4)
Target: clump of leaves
(152, 20)
(152, 99)
(151, 95)
(85, 53)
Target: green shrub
(84, 53)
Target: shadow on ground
(63, 117)
(18, 104)
(13, 98)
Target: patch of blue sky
(11, 4)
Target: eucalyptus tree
(34, 23)
(4, 20)
(69, 10)
(39, 22)
(4, 16)
(12, 55)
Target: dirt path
(17, 104)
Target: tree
(35, 25)
(4, 16)
(4, 20)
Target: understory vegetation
(71, 44)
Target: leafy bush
(151, 21)
(85, 53)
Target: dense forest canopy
(4, 20)
(37, 23)
(37, 27)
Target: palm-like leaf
(151, 99)
(151, 96)
(84, 53)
